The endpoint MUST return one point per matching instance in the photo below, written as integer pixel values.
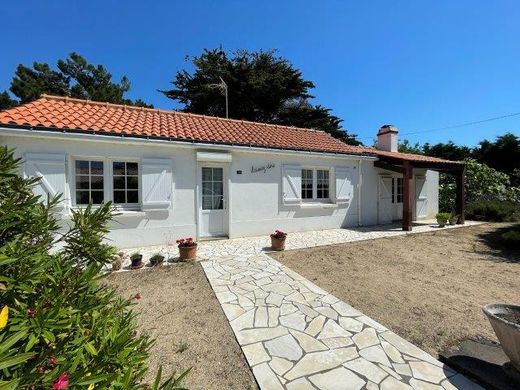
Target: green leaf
(91, 349)
(12, 361)
(9, 342)
(11, 385)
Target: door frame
(226, 195)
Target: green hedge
(493, 210)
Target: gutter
(189, 144)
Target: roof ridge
(173, 112)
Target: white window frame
(108, 181)
(315, 198)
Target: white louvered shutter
(292, 184)
(157, 183)
(346, 180)
(421, 195)
(50, 168)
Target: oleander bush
(59, 327)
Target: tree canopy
(73, 77)
(262, 87)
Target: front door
(213, 202)
(384, 204)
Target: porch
(405, 164)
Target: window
(89, 182)
(126, 182)
(212, 188)
(397, 190)
(315, 184)
(307, 183)
(322, 184)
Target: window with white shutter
(346, 180)
(292, 183)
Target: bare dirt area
(178, 309)
(429, 288)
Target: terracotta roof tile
(52, 112)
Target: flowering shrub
(279, 234)
(59, 327)
(186, 242)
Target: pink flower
(31, 313)
(137, 296)
(41, 370)
(62, 382)
(53, 361)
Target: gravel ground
(428, 288)
(178, 308)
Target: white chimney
(387, 138)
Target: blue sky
(417, 64)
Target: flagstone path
(296, 336)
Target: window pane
(82, 197)
(82, 167)
(132, 169)
(132, 197)
(96, 167)
(218, 189)
(119, 197)
(96, 182)
(206, 202)
(119, 182)
(97, 197)
(206, 174)
(207, 189)
(82, 182)
(119, 168)
(217, 174)
(217, 203)
(132, 183)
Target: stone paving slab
(254, 245)
(297, 336)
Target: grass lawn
(178, 308)
(428, 288)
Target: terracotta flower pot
(505, 320)
(188, 252)
(277, 244)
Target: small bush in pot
(156, 259)
(454, 218)
(278, 240)
(118, 261)
(442, 218)
(137, 260)
(187, 248)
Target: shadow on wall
(498, 244)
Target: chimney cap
(387, 129)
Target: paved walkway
(296, 336)
(254, 245)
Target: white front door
(384, 206)
(213, 194)
(421, 197)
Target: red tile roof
(76, 115)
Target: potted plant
(278, 240)
(187, 248)
(454, 219)
(505, 320)
(156, 259)
(442, 218)
(137, 260)
(117, 263)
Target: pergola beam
(407, 195)
(389, 167)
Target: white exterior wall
(255, 200)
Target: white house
(174, 174)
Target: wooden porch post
(460, 200)
(407, 196)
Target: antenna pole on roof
(224, 89)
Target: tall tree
(503, 154)
(74, 77)
(262, 87)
